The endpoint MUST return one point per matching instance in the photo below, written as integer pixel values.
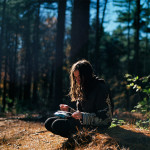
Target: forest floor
(28, 133)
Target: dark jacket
(97, 108)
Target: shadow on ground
(120, 138)
(127, 139)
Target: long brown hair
(86, 75)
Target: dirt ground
(17, 132)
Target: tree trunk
(80, 30)
(5, 71)
(4, 85)
(2, 35)
(128, 60)
(146, 69)
(97, 37)
(59, 52)
(28, 66)
(51, 87)
(12, 74)
(20, 86)
(137, 28)
(128, 37)
(103, 17)
(36, 58)
(100, 37)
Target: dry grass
(25, 135)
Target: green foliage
(143, 124)
(8, 100)
(116, 122)
(141, 85)
(141, 107)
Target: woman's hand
(77, 115)
(64, 107)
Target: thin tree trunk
(5, 73)
(11, 76)
(145, 68)
(2, 35)
(14, 70)
(4, 86)
(36, 59)
(98, 54)
(28, 67)
(129, 35)
(147, 51)
(20, 87)
(2, 47)
(97, 37)
(51, 86)
(59, 52)
(103, 17)
(128, 61)
(137, 22)
(12, 86)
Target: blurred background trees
(41, 39)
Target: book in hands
(63, 114)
